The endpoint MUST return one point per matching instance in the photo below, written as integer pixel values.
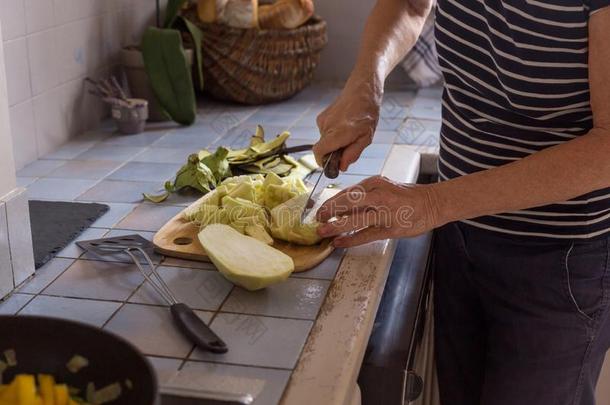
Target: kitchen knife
(329, 171)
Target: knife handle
(331, 169)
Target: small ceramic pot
(131, 117)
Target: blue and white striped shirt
(516, 82)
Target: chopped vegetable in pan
(42, 389)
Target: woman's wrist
(368, 81)
(441, 211)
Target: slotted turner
(185, 319)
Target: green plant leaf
(169, 73)
(171, 12)
(197, 35)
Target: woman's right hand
(349, 123)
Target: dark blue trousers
(519, 321)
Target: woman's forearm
(552, 175)
(390, 32)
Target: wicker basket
(253, 66)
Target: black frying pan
(45, 345)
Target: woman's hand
(349, 123)
(378, 208)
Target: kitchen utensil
(45, 345)
(329, 171)
(187, 321)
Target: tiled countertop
(270, 333)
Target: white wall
(7, 168)
(50, 46)
(345, 22)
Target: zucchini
(245, 261)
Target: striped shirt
(516, 82)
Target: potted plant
(159, 69)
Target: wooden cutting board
(178, 238)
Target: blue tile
(376, 151)
(92, 312)
(366, 166)
(142, 171)
(14, 303)
(116, 213)
(199, 289)
(121, 191)
(251, 339)
(196, 141)
(146, 138)
(46, 275)
(107, 152)
(325, 270)
(149, 217)
(151, 329)
(40, 168)
(72, 251)
(97, 280)
(384, 137)
(58, 189)
(275, 381)
(285, 120)
(310, 133)
(25, 181)
(294, 298)
(165, 155)
(85, 169)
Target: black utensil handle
(196, 330)
(298, 148)
(331, 170)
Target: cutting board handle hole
(183, 241)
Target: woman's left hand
(377, 208)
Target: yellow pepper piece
(9, 394)
(26, 389)
(61, 394)
(46, 387)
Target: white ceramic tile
(78, 42)
(69, 10)
(17, 71)
(6, 270)
(93, 312)
(23, 130)
(73, 251)
(20, 236)
(39, 15)
(55, 120)
(42, 50)
(84, 169)
(12, 15)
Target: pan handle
(196, 330)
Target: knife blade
(329, 171)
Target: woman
(522, 279)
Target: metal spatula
(185, 319)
